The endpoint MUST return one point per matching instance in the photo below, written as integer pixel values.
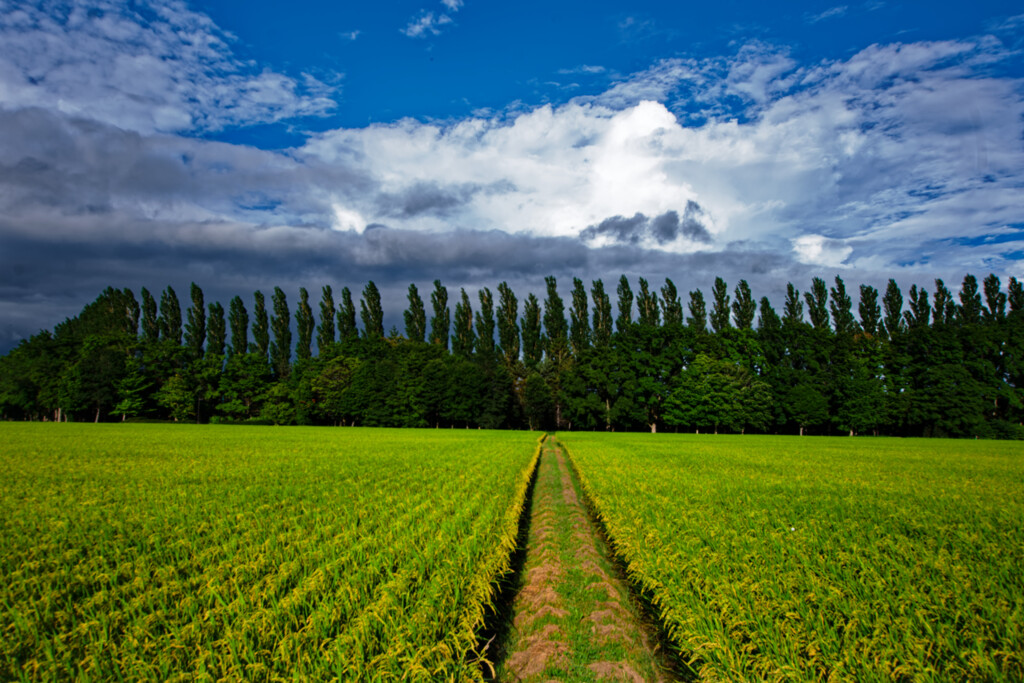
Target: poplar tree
(720, 313)
(508, 324)
(698, 318)
(625, 318)
(260, 326)
(415, 316)
(325, 332)
(1015, 295)
(533, 344)
(150, 319)
(671, 306)
(440, 323)
(817, 304)
(556, 339)
(371, 312)
(995, 300)
(602, 314)
(280, 325)
(768, 320)
(463, 339)
(944, 307)
(743, 308)
(304, 324)
(132, 311)
(841, 306)
(869, 311)
(347, 330)
(485, 324)
(919, 311)
(772, 342)
(647, 305)
(238, 319)
(215, 331)
(793, 310)
(195, 327)
(892, 304)
(579, 326)
(170, 316)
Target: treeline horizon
(941, 365)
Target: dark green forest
(935, 364)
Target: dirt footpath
(574, 620)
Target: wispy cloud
(583, 69)
(830, 13)
(350, 35)
(426, 24)
(635, 28)
(156, 66)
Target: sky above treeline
(247, 145)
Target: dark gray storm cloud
(49, 274)
(664, 228)
(619, 228)
(425, 198)
(50, 161)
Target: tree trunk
(608, 415)
(851, 432)
(654, 428)
(801, 430)
(96, 419)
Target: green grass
(792, 558)
(162, 552)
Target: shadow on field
(493, 640)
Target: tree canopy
(936, 363)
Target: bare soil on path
(574, 619)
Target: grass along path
(574, 620)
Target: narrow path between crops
(573, 619)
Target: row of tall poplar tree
(933, 365)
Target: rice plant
(202, 553)
(781, 558)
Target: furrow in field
(573, 617)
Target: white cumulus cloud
(818, 250)
(868, 162)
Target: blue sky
(252, 145)
(490, 56)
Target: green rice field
(788, 558)
(170, 552)
(174, 552)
